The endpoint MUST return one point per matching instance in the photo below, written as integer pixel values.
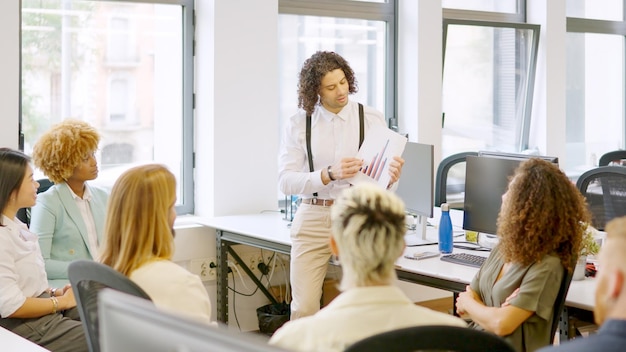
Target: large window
(488, 79)
(125, 67)
(595, 82)
(362, 32)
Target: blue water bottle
(445, 230)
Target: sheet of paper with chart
(377, 151)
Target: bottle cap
(445, 207)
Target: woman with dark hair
(28, 307)
(540, 228)
(316, 162)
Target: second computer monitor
(487, 177)
(416, 182)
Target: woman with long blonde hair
(139, 241)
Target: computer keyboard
(464, 259)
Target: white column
(420, 71)
(549, 106)
(9, 71)
(236, 107)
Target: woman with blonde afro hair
(69, 216)
(540, 226)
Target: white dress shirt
(333, 137)
(22, 269)
(87, 215)
(354, 315)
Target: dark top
(610, 337)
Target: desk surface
(271, 228)
(13, 342)
(264, 226)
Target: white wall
(549, 106)
(237, 106)
(10, 73)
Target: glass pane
(117, 66)
(485, 82)
(507, 6)
(612, 10)
(361, 42)
(595, 99)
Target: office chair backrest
(441, 180)
(24, 213)
(435, 338)
(605, 190)
(88, 278)
(559, 303)
(614, 156)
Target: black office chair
(442, 188)
(433, 338)
(614, 156)
(24, 213)
(605, 190)
(559, 305)
(88, 278)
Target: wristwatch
(330, 173)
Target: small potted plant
(588, 246)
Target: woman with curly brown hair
(540, 227)
(316, 162)
(68, 217)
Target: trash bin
(272, 316)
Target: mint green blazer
(61, 229)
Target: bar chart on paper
(375, 168)
(379, 147)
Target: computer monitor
(129, 323)
(487, 177)
(416, 182)
(519, 157)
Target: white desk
(269, 231)
(13, 342)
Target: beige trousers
(310, 253)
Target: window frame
(501, 20)
(186, 205)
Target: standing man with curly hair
(68, 217)
(318, 154)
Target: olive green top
(539, 286)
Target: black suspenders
(308, 137)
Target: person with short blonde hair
(368, 227)
(610, 297)
(139, 241)
(69, 216)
